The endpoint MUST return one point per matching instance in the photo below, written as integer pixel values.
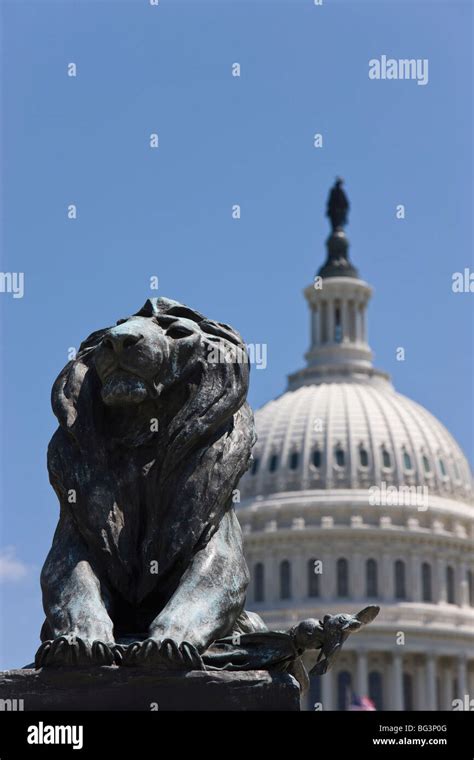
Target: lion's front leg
(80, 631)
(205, 605)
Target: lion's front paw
(164, 654)
(73, 651)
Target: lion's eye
(178, 331)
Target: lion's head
(162, 345)
(165, 357)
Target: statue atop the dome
(337, 263)
(338, 205)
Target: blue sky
(167, 212)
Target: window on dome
(255, 465)
(376, 689)
(273, 463)
(442, 468)
(285, 580)
(400, 583)
(259, 594)
(450, 592)
(294, 459)
(386, 461)
(371, 577)
(340, 458)
(426, 593)
(363, 457)
(313, 578)
(407, 460)
(342, 573)
(317, 458)
(426, 464)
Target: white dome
(365, 433)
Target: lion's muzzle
(128, 360)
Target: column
(387, 576)
(251, 587)
(446, 687)
(414, 587)
(470, 680)
(364, 322)
(397, 681)
(461, 674)
(357, 579)
(345, 321)
(362, 683)
(317, 326)
(420, 697)
(328, 577)
(463, 599)
(430, 681)
(271, 579)
(331, 320)
(323, 311)
(358, 328)
(352, 322)
(441, 581)
(299, 577)
(327, 690)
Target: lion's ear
(154, 307)
(149, 309)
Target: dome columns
(338, 323)
(462, 584)
(362, 673)
(441, 577)
(408, 680)
(327, 688)
(430, 681)
(397, 681)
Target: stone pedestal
(118, 688)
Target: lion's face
(166, 361)
(139, 357)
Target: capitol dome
(349, 434)
(358, 495)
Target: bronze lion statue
(153, 438)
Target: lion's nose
(118, 341)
